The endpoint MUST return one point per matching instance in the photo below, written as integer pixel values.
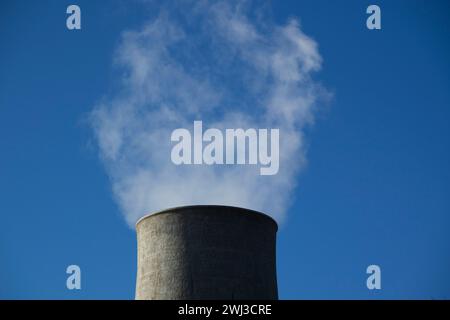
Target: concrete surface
(206, 252)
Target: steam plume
(216, 63)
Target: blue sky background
(376, 189)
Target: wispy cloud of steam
(211, 62)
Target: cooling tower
(206, 252)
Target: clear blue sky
(376, 189)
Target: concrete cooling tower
(206, 252)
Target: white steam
(209, 62)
